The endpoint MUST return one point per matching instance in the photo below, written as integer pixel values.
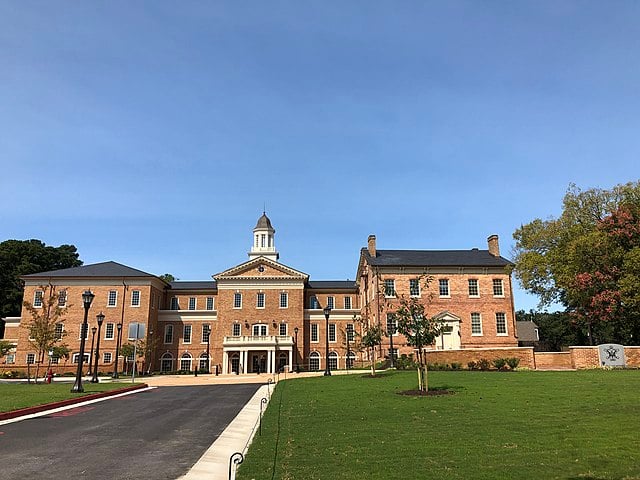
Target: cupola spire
(263, 244)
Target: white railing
(271, 340)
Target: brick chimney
(371, 245)
(494, 247)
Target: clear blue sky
(152, 133)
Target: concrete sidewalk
(214, 464)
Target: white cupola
(263, 240)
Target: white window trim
(286, 296)
(104, 357)
(286, 329)
(164, 338)
(202, 340)
(239, 328)
(234, 301)
(448, 295)
(481, 329)
(264, 300)
(213, 304)
(113, 331)
(501, 288)
(195, 304)
(139, 298)
(393, 295)
(506, 325)
(184, 328)
(115, 304)
(35, 296)
(477, 288)
(317, 333)
(419, 289)
(344, 302)
(335, 333)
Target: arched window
(351, 358)
(185, 362)
(166, 362)
(204, 364)
(314, 362)
(333, 361)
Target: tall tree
(420, 330)
(588, 259)
(42, 326)
(23, 257)
(371, 338)
(167, 277)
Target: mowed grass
(497, 425)
(15, 396)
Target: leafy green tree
(23, 257)
(5, 347)
(371, 338)
(62, 351)
(588, 259)
(167, 277)
(126, 351)
(420, 330)
(42, 326)
(556, 329)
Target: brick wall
(587, 357)
(553, 360)
(525, 354)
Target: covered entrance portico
(257, 354)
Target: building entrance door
(235, 364)
(259, 363)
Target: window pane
(444, 287)
(414, 287)
(347, 303)
(192, 303)
(476, 324)
(501, 324)
(389, 288)
(330, 302)
(473, 288)
(209, 303)
(497, 287)
(284, 300)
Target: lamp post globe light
(327, 312)
(93, 338)
(295, 331)
(115, 366)
(87, 298)
(99, 319)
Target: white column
(290, 359)
(225, 362)
(244, 361)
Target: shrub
(472, 365)
(513, 362)
(456, 366)
(484, 364)
(405, 362)
(499, 363)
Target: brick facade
(254, 309)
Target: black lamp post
(295, 331)
(327, 311)
(93, 338)
(115, 367)
(99, 319)
(87, 298)
(208, 341)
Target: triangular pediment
(447, 316)
(261, 268)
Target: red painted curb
(68, 401)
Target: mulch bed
(429, 393)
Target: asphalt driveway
(157, 434)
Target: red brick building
(262, 315)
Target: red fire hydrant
(49, 375)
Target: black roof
(435, 258)
(200, 285)
(263, 222)
(104, 269)
(332, 284)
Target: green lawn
(497, 425)
(15, 396)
